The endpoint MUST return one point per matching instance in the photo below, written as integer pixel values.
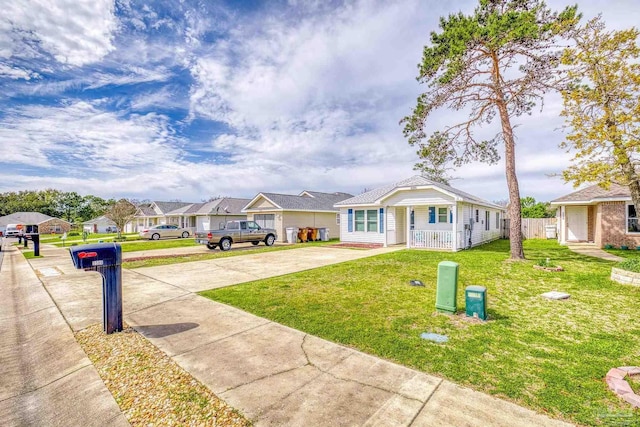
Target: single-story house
(598, 215)
(420, 213)
(307, 209)
(210, 215)
(46, 224)
(155, 213)
(101, 224)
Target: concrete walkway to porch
(591, 249)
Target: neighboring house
(600, 216)
(308, 209)
(420, 213)
(155, 213)
(211, 215)
(194, 216)
(46, 224)
(101, 224)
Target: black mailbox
(106, 259)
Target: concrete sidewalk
(45, 377)
(275, 375)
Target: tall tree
(121, 213)
(602, 107)
(497, 61)
(436, 157)
(533, 209)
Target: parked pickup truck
(236, 232)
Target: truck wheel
(225, 244)
(185, 234)
(269, 240)
(255, 243)
(155, 236)
(211, 246)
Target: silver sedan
(162, 231)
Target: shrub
(73, 233)
(546, 263)
(630, 264)
(121, 239)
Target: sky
(188, 100)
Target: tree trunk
(515, 220)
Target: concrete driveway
(275, 375)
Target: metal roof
(374, 196)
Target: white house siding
(427, 197)
(215, 222)
(358, 236)
(295, 219)
(391, 225)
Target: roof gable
(27, 218)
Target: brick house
(599, 216)
(46, 224)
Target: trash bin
(475, 299)
(302, 234)
(447, 287)
(291, 235)
(550, 231)
(324, 234)
(313, 234)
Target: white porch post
(409, 208)
(454, 238)
(386, 222)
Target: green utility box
(447, 287)
(475, 298)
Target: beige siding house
(308, 209)
(419, 213)
(599, 216)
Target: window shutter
(350, 220)
(382, 220)
(451, 217)
(432, 214)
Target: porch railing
(431, 239)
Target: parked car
(236, 232)
(163, 231)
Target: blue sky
(189, 99)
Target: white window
(442, 214)
(265, 220)
(632, 220)
(497, 220)
(366, 220)
(486, 220)
(372, 221)
(337, 219)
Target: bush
(121, 239)
(73, 233)
(630, 264)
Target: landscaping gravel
(150, 388)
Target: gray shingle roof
(595, 192)
(166, 207)
(371, 197)
(319, 201)
(26, 218)
(229, 206)
(146, 210)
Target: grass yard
(550, 356)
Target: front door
(576, 223)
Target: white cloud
(79, 137)
(74, 32)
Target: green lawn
(551, 356)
